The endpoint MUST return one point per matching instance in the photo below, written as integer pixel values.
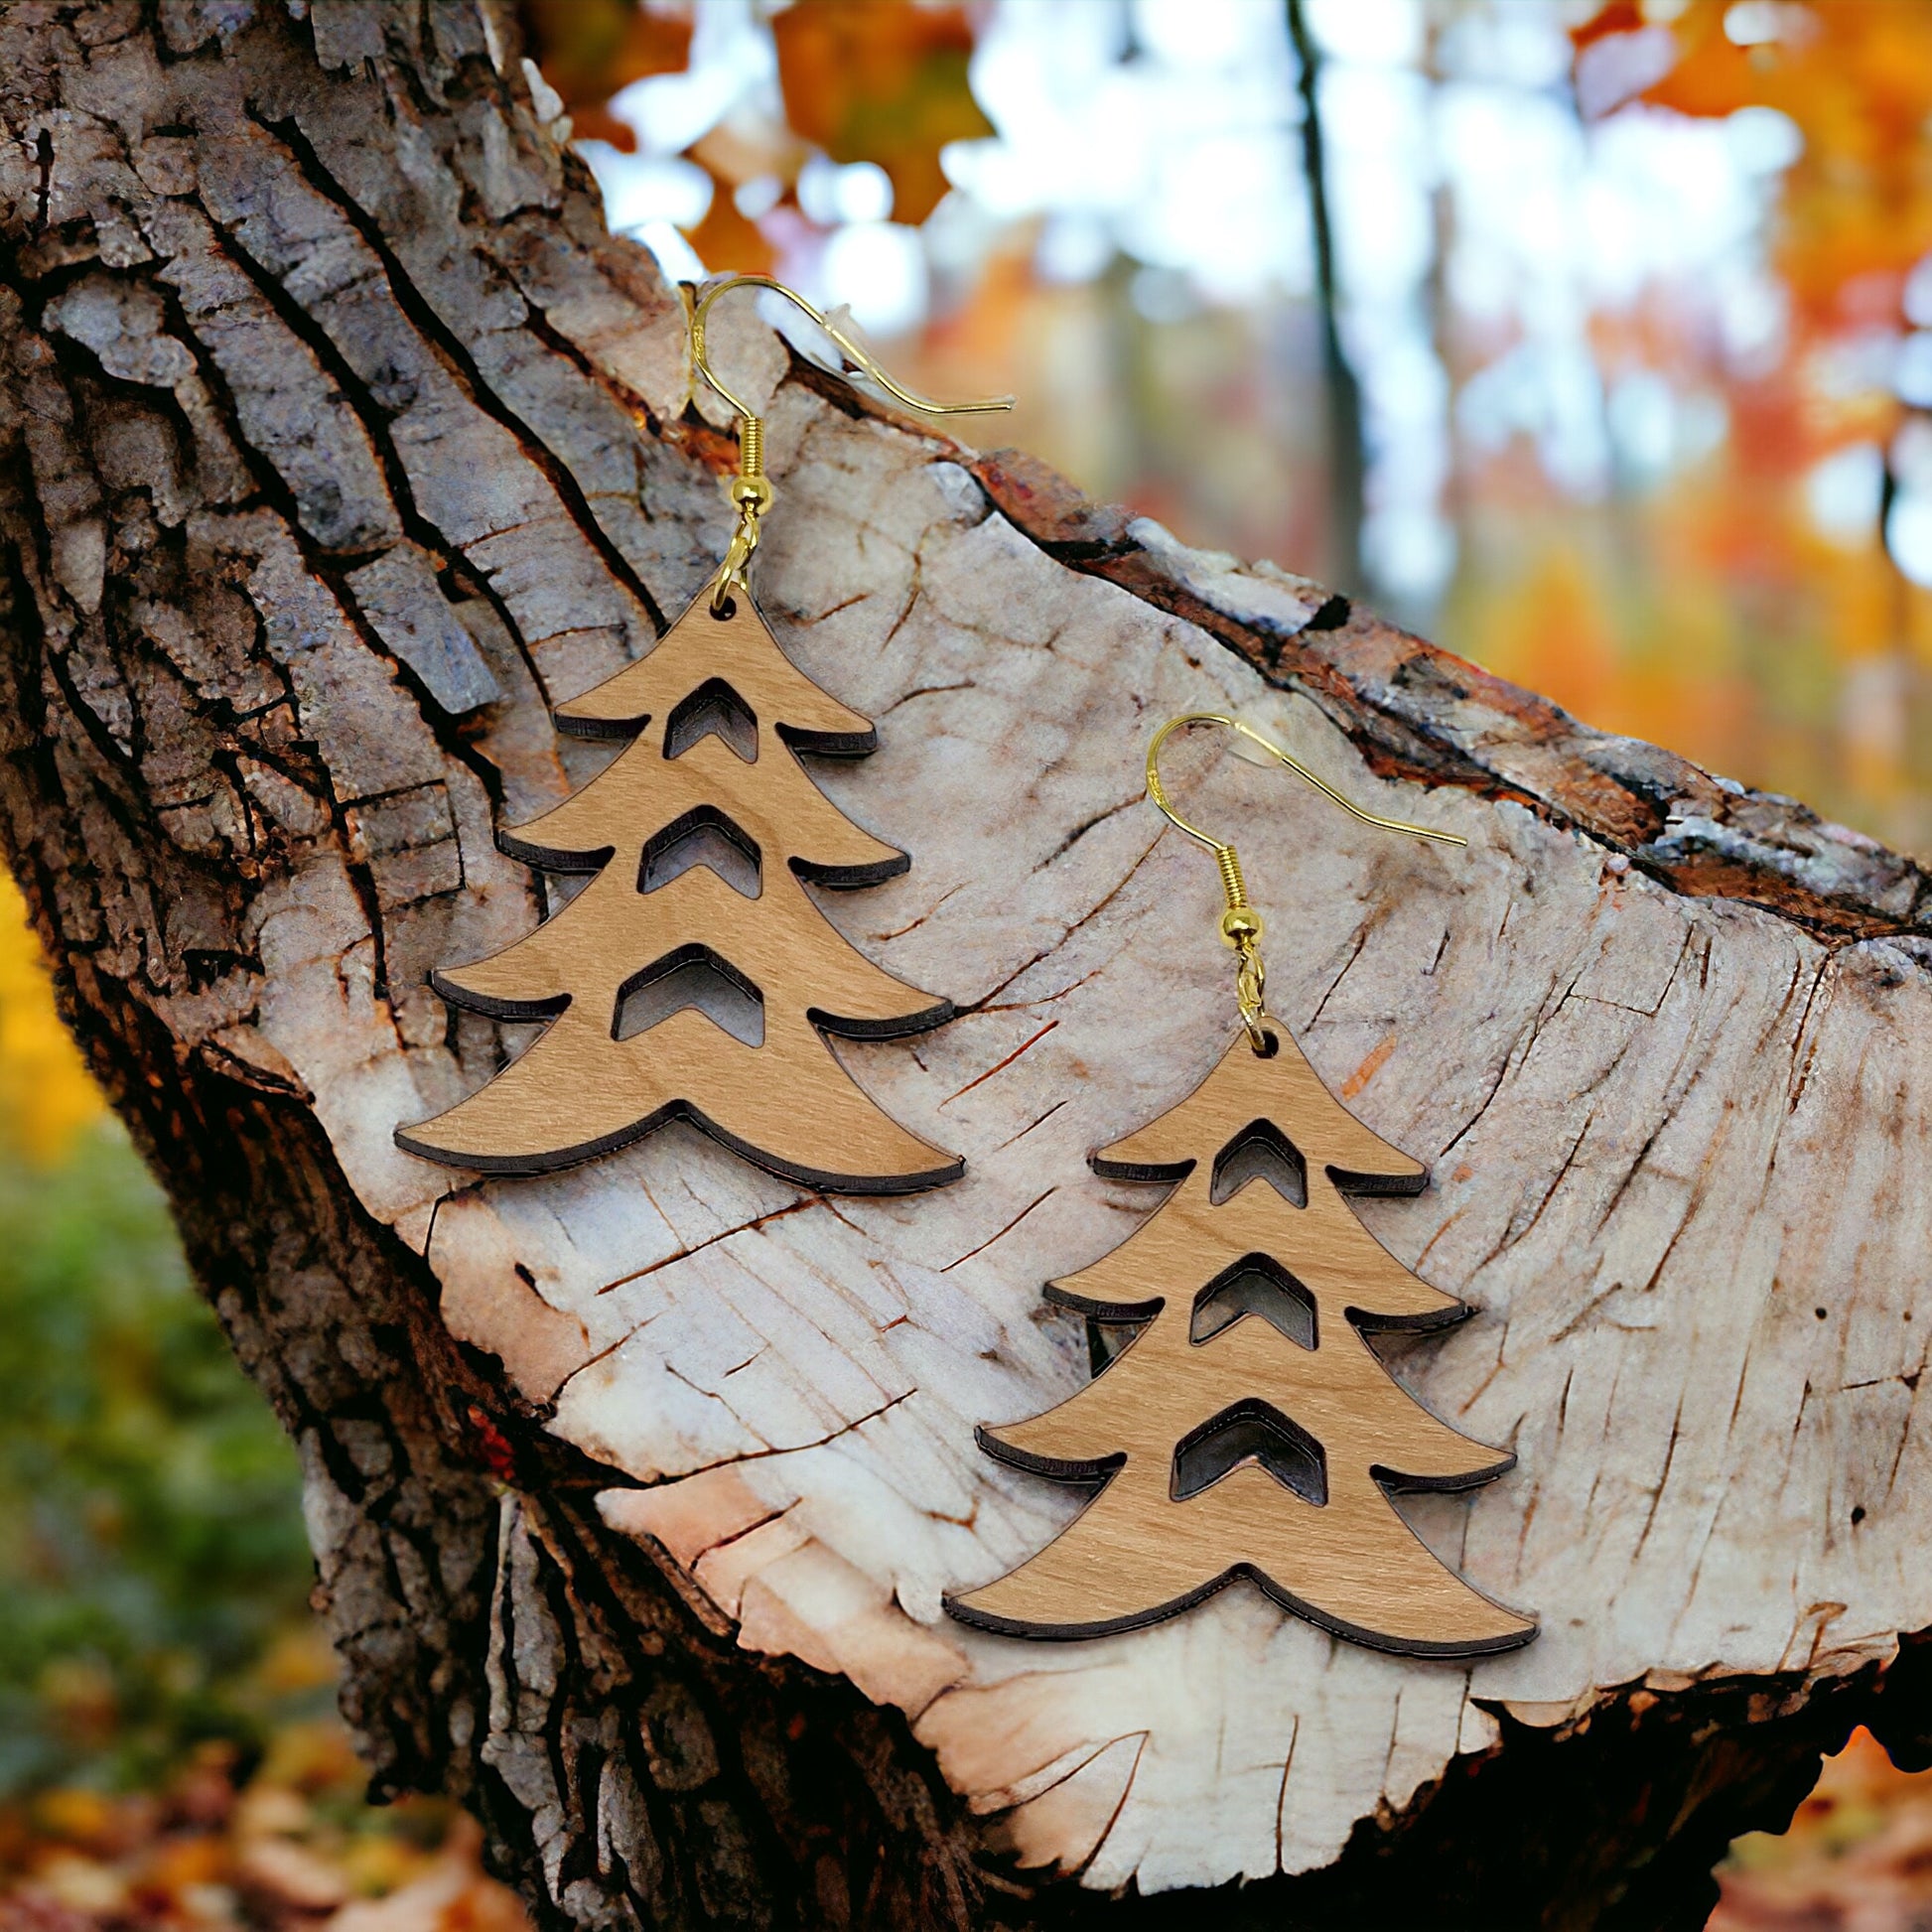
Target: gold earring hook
(1241, 925)
(750, 489)
(860, 358)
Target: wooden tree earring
(1247, 1430)
(701, 833)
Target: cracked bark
(340, 440)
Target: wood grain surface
(1319, 1533)
(588, 1085)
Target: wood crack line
(785, 1449)
(1002, 1065)
(1007, 1229)
(711, 1241)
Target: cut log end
(638, 1487)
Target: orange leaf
(882, 81)
(1857, 81)
(47, 1094)
(726, 241)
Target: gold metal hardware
(749, 489)
(1241, 925)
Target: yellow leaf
(46, 1091)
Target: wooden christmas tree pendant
(701, 833)
(1247, 1430)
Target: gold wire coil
(1231, 880)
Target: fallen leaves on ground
(288, 1847)
(1857, 1859)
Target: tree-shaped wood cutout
(1247, 1430)
(701, 834)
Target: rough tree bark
(341, 441)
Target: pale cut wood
(586, 1087)
(342, 445)
(1336, 1553)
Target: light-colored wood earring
(1247, 1429)
(702, 834)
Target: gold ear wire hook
(861, 358)
(750, 489)
(1241, 925)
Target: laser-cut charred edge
(849, 879)
(694, 952)
(715, 691)
(1257, 1410)
(820, 1179)
(1259, 1133)
(1282, 1279)
(1005, 1627)
(699, 818)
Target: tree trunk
(1342, 392)
(341, 443)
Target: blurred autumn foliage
(1857, 1859)
(1750, 610)
(45, 1093)
(880, 82)
(589, 50)
(281, 1843)
(1756, 590)
(1857, 83)
(169, 1755)
(877, 80)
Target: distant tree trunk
(1346, 459)
(341, 442)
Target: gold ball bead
(1239, 925)
(745, 492)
